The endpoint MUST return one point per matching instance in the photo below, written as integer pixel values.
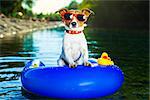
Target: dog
(74, 49)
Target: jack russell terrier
(74, 49)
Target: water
(129, 50)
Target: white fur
(73, 45)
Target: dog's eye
(81, 17)
(67, 16)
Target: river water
(129, 50)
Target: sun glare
(50, 6)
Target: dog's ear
(62, 11)
(87, 12)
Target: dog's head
(75, 19)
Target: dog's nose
(73, 24)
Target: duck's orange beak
(105, 57)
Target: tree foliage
(11, 8)
(73, 5)
(118, 14)
(87, 4)
(29, 4)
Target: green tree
(87, 4)
(10, 7)
(27, 5)
(118, 14)
(13, 7)
(73, 5)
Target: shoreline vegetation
(16, 18)
(12, 26)
(128, 17)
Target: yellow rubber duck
(105, 60)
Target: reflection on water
(128, 50)
(17, 50)
(44, 45)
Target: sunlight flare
(50, 6)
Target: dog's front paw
(72, 65)
(87, 63)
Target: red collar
(73, 32)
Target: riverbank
(11, 26)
